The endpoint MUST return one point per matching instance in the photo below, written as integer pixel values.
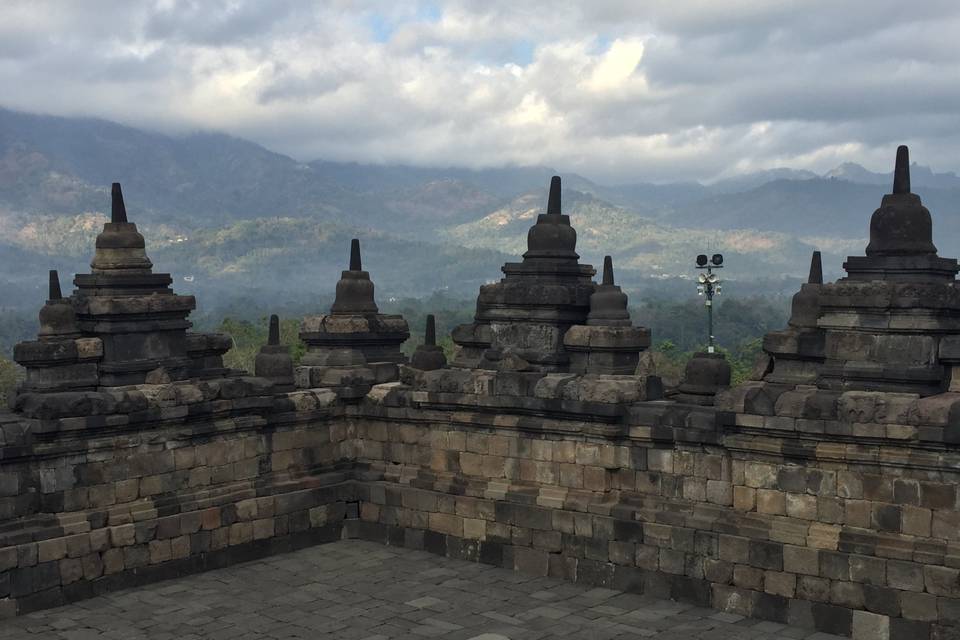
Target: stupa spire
(118, 211)
(607, 270)
(55, 293)
(816, 269)
(901, 171)
(273, 337)
(553, 201)
(355, 263)
(430, 333)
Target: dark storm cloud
(656, 90)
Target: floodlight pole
(708, 286)
(709, 303)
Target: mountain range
(232, 220)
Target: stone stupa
(521, 321)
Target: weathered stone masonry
(823, 493)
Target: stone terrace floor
(355, 590)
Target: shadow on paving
(354, 590)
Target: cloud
(659, 90)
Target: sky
(617, 90)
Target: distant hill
(920, 176)
(240, 219)
(756, 179)
(643, 245)
(816, 210)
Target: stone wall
(837, 526)
(848, 535)
(188, 477)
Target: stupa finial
(553, 202)
(901, 172)
(55, 293)
(816, 269)
(273, 337)
(430, 333)
(118, 211)
(607, 271)
(355, 263)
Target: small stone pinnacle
(55, 293)
(355, 264)
(273, 338)
(118, 212)
(816, 269)
(553, 202)
(607, 270)
(901, 172)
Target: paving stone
(354, 590)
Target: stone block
(123, 535)
(760, 475)
(159, 551)
(919, 606)
(801, 506)
(881, 600)
(531, 561)
(870, 626)
(113, 561)
(847, 594)
(180, 547)
(801, 560)
(92, 566)
(942, 581)
(744, 498)
(834, 565)
(772, 607)
(946, 524)
(672, 561)
(719, 492)
(8, 558)
(734, 549)
(71, 570)
(867, 569)
(647, 557)
(813, 588)
(771, 501)
(936, 495)
(52, 549)
(780, 583)
(732, 599)
(766, 555)
(906, 576)
(832, 619)
(916, 521)
(886, 517)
